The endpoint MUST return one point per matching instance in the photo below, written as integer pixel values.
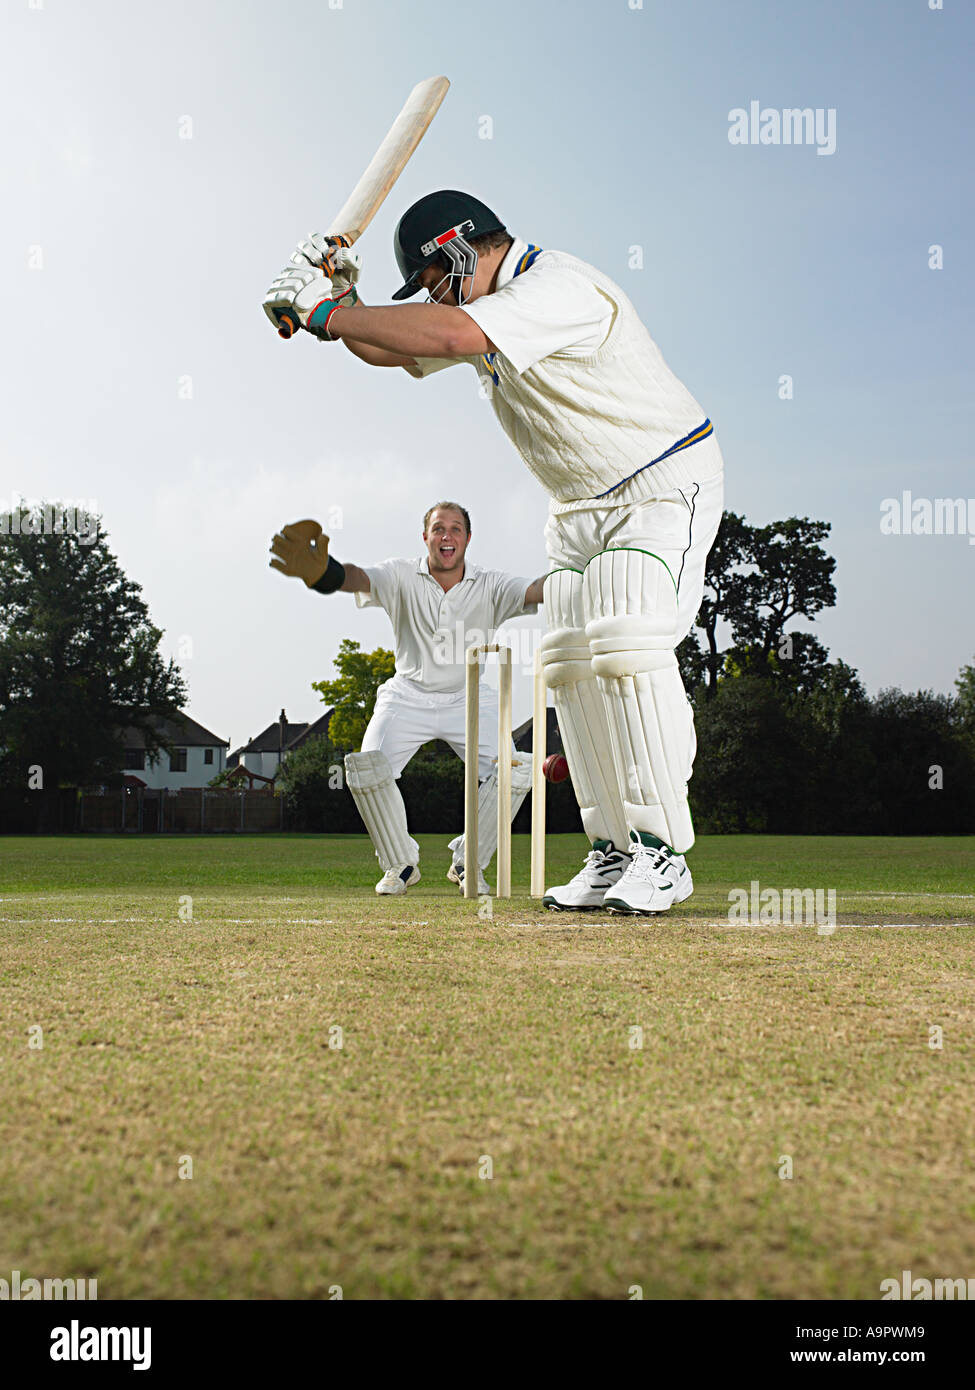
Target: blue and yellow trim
(525, 262)
(694, 437)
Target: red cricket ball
(555, 768)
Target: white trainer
(398, 879)
(656, 879)
(456, 875)
(603, 869)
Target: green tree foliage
(79, 659)
(790, 577)
(724, 594)
(745, 773)
(757, 580)
(788, 741)
(353, 693)
(965, 685)
(831, 761)
(925, 768)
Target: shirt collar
(506, 270)
(423, 567)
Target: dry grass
(465, 1039)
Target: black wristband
(332, 579)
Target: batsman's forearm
(409, 330)
(375, 356)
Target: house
(196, 756)
(262, 757)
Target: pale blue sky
(610, 130)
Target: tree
(925, 769)
(747, 777)
(353, 694)
(724, 592)
(758, 578)
(79, 659)
(965, 685)
(791, 578)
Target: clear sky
(140, 373)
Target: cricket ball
(555, 768)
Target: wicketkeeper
(635, 477)
(439, 605)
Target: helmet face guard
(461, 258)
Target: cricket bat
(383, 170)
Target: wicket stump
(471, 743)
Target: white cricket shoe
(656, 879)
(603, 869)
(456, 875)
(398, 879)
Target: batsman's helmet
(437, 229)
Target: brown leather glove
(301, 549)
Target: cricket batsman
(439, 605)
(635, 476)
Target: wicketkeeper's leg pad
(380, 804)
(632, 629)
(487, 810)
(580, 709)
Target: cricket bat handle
(288, 325)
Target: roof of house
(269, 740)
(182, 732)
(276, 736)
(314, 730)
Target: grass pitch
(488, 1127)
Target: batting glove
(305, 294)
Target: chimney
(282, 731)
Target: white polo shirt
(432, 629)
(580, 387)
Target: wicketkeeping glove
(301, 550)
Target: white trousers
(406, 716)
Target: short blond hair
(452, 506)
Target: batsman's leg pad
(487, 810)
(380, 804)
(580, 709)
(632, 628)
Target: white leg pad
(487, 810)
(380, 804)
(580, 710)
(631, 610)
